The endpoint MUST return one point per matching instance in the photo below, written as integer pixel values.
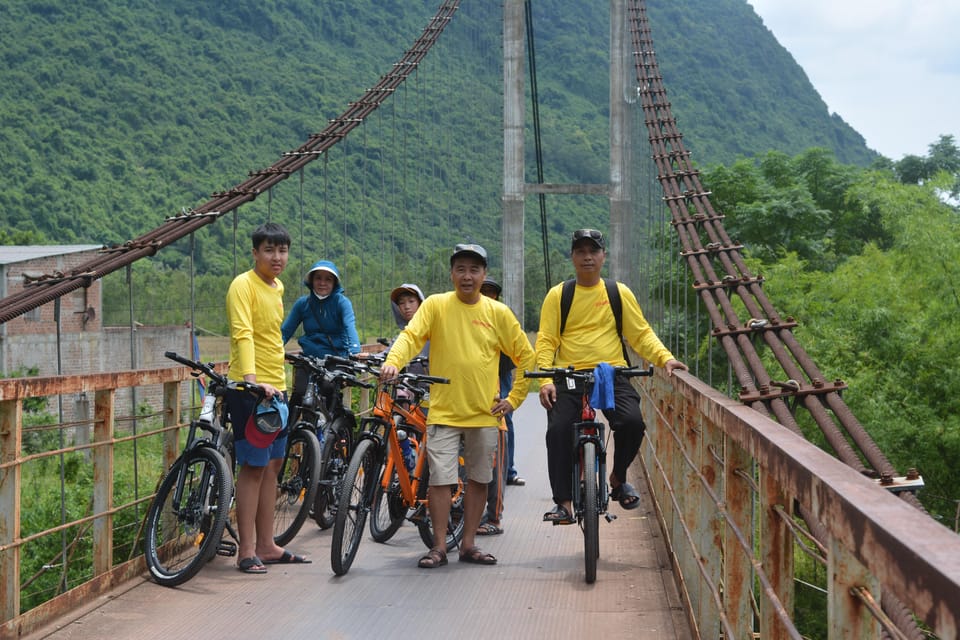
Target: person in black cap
(588, 337)
(503, 470)
(467, 332)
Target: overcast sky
(889, 68)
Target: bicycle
(389, 510)
(297, 480)
(333, 422)
(376, 461)
(190, 510)
(590, 494)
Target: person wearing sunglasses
(583, 333)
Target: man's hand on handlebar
(548, 395)
(388, 372)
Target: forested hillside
(116, 115)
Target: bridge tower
(515, 187)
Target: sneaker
(516, 481)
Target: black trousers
(625, 421)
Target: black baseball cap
(492, 284)
(469, 249)
(591, 235)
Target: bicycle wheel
(591, 512)
(388, 509)
(359, 483)
(334, 459)
(296, 484)
(187, 515)
(455, 521)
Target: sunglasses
(593, 234)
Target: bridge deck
(536, 590)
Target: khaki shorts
(443, 451)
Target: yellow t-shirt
(255, 312)
(590, 336)
(465, 345)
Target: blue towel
(602, 396)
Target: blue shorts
(257, 457)
(240, 406)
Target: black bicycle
(298, 478)
(322, 383)
(188, 514)
(590, 495)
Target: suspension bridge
(736, 503)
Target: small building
(80, 344)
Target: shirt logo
(602, 303)
(481, 323)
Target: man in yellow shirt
(467, 332)
(254, 312)
(588, 337)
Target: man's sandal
(434, 558)
(474, 555)
(626, 495)
(559, 515)
(489, 529)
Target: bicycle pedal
(227, 548)
(610, 516)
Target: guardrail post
(739, 497)
(847, 616)
(171, 418)
(776, 556)
(103, 481)
(711, 525)
(11, 414)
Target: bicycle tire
(359, 483)
(388, 510)
(591, 512)
(296, 484)
(182, 534)
(334, 458)
(455, 521)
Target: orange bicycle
(377, 466)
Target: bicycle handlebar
(218, 378)
(586, 375)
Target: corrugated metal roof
(12, 254)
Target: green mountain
(117, 115)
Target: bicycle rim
(296, 485)
(186, 517)
(591, 513)
(337, 446)
(358, 486)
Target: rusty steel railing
(729, 483)
(724, 284)
(95, 528)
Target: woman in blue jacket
(329, 325)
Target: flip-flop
(253, 564)
(626, 495)
(288, 558)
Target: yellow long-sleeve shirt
(590, 336)
(465, 345)
(255, 312)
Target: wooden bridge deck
(536, 591)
